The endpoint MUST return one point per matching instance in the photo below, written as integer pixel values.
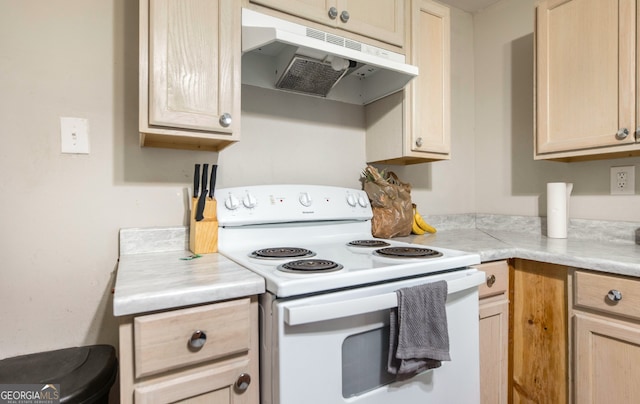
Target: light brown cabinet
(606, 321)
(539, 348)
(198, 354)
(382, 20)
(190, 57)
(494, 333)
(587, 103)
(413, 126)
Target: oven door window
(364, 362)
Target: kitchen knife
(196, 181)
(203, 193)
(212, 183)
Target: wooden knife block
(203, 235)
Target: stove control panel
(261, 204)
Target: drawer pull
(197, 340)
(243, 382)
(614, 295)
(491, 280)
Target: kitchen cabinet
(539, 370)
(586, 79)
(606, 320)
(382, 20)
(413, 126)
(190, 58)
(494, 333)
(206, 353)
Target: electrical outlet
(74, 135)
(623, 180)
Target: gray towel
(419, 339)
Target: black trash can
(85, 374)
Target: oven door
(333, 348)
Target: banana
(415, 229)
(419, 222)
(422, 224)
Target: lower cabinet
(540, 333)
(606, 337)
(199, 354)
(494, 333)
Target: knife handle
(205, 177)
(212, 181)
(196, 181)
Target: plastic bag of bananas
(390, 198)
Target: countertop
(618, 257)
(150, 280)
(151, 276)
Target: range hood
(291, 57)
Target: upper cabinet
(382, 20)
(413, 126)
(587, 103)
(190, 58)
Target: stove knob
(351, 200)
(232, 203)
(305, 199)
(362, 201)
(249, 201)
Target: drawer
(497, 278)
(592, 289)
(162, 340)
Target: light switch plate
(74, 135)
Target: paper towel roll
(557, 208)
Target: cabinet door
(494, 350)
(540, 333)
(607, 354)
(314, 10)
(382, 20)
(211, 384)
(413, 126)
(193, 64)
(585, 77)
(430, 90)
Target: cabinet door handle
(225, 119)
(243, 382)
(197, 340)
(622, 133)
(344, 16)
(614, 295)
(637, 134)
(491, 280)
(333, 13)
(419, 142)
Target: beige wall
(508, 181)
(60, 214)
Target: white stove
(327, 305)
(323, 220)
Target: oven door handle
(329, 311)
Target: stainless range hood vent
(283, 55)
(309, 76)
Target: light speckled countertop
(606, 246)
(152, 277)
